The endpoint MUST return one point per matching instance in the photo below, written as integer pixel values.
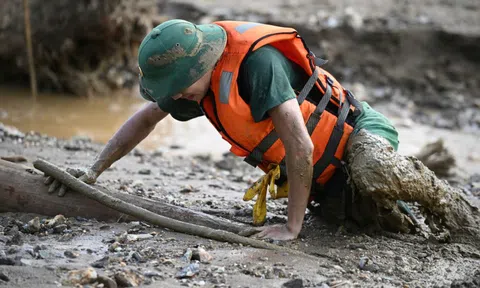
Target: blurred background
(415, 61)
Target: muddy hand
(83, 174)
(278, 232)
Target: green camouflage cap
(175, 54)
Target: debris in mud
(367, 265)
(33, 226)
(78, 143)
(57, 225)
(294, 283)
(437, 158)
(9, 261)
(4, 277)
(128, 278)
(472, 282)
(101, 263)
(473, 185)
(55, 221)
(106, 281)
(14, 158)
(188, 189)
(188, 271)
(144, 171)
(187, 256)
(81, 277)
(201, 255)
(71, 254)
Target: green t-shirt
(267, 79)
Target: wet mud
(34, 253)
(380, 173)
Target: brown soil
(354, 258)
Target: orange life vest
(325, 118)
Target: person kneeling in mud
(264, 91)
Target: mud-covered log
(379, 172)
(78, 46)
(22, 190)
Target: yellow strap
(259, 189)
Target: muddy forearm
(128, 136)
(299, 170)
(121, 143)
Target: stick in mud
(155, 219)
(379, 172)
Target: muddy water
(64, 116)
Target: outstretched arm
(290, 126)
(132, 132)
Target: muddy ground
(35, 254)
(414, 60)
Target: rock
(55, 221)
(201, 255)
(101, 263)
(339, 268)
(294, 283)
(269, 273)
(138, 237)
(10, 261)
(188, 189)
(152, 274)
(33, 225)
(107, 281)
(82, 277)
(366, 264)
(137, 256)
(71, 254)
(227, 164)
(188, 271)
(45, 254)
(279, 272)
(4, 277)
(355, 246)
(144, 172)
(14, 249)
(115, 247)
(128, 278)
(16, 239)
(59, 229)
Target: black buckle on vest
(355, 103)
(255, 157)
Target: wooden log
(22, 190)
(162, 221)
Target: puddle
(65, 116)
